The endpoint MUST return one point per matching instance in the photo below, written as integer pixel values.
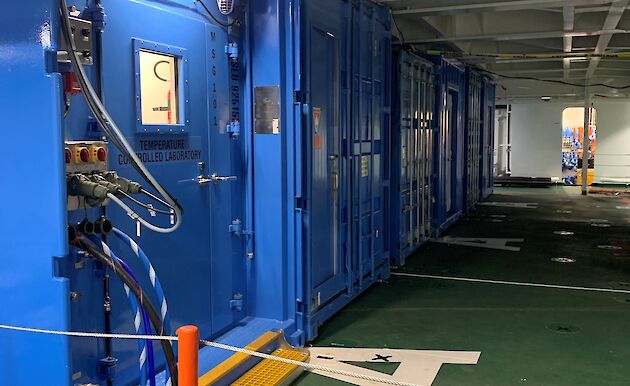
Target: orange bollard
(188, 355)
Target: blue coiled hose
(155, 282)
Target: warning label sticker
(317, 142)
(317, 112)
(365, 166)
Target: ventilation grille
(225, 6)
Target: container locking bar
(214, 178)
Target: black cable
(402, 36)
(156, 198)
(142, 204)
(99, 115)
(87, 245)
(136, 201)
(67, 33)
(235, 18)
(72, 54)
(550, 80)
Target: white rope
(305, 365)
(538, 285)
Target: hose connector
(103, 226)
(124, 184)
(86, 227)
(80, 185)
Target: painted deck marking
(516, 283)
(416, 366)
(521, 205)
(480, 242)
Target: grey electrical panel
(267, 110)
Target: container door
(487, 149)
(414, 185)
(448, 143)
(406, 155)
(166, 84)
(326, 264)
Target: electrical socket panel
(86, 156)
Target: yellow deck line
(228, 365)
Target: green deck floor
(527, 336)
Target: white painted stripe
(516, 283)
(152, 275)
(137, 320)
(134, 246)
(143, 356)
(163, 309)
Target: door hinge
(236, 229)
(236, 304)
(299, 203)
(299, 96)
(231, 50)
(300, 305)
(234, 129)
(96, 14)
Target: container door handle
(214, 178)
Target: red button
(84, 154)
(101, 154)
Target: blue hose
(147, 368)
(155, 282)
(147, 330)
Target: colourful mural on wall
(573, 143)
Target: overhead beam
(517, 36)
(516, 5)
(617, 8)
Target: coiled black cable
(82, 242)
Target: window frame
(181, 60)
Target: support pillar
(587, 141)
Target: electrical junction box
(82, 36)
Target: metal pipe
(586, 140)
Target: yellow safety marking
(272, 373)
(228, 365)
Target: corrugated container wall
(473, 136)
(448, 163)
(326, 163)
(487, 140)
(480, 105)
(411, 154)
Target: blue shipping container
(480, 106)
(487, 141)
(473, 137)
(411, 154)
(449, 144)
(325, 166)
